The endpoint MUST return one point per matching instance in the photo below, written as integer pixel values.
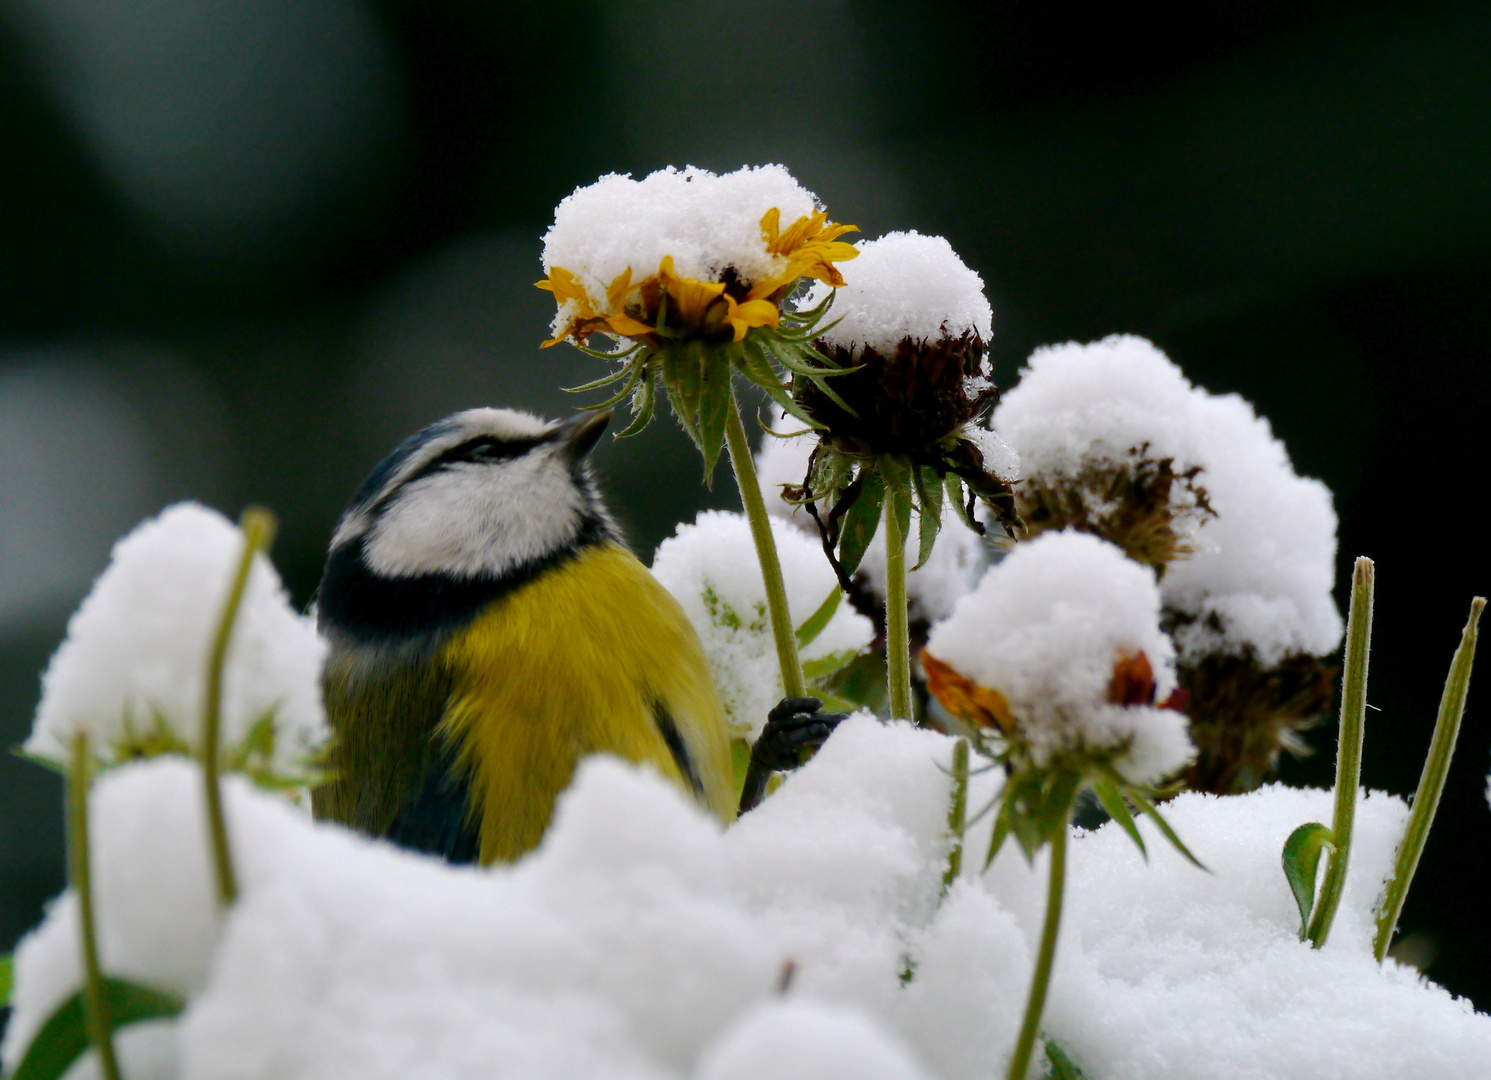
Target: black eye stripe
(484, 448)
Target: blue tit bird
(489, 628)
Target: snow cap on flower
(1065, 631)
(711, 569)
(1113, 439)
(132, 670)
(691, 232)
(905, 286)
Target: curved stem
(1431, 784)
(258, 527)
(1348, 750)
(897, 637)
(95, 1009)
(957, 814)
(766, 552)
(1020, 1063)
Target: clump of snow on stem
(1263, 566)
(711, 569)
(1046, 628)
(1000, 458)
(954, 567)
(135, 659)
(904, 286)
(707, 222)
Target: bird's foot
(794, 728)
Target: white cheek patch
(475, 519)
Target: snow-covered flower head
(1116, 442)
(1060, 647)
(708, 255)
(132, 670)
(915, 322)
(686, 272)
(710, 567)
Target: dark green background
(254, 245)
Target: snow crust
(1046, 627)
(136, 650)
(904, 285)
(707, 222)
(957, 561)
(643, 941)
(1264, 566)
(711, 569)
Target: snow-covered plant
(133, 672)
(686, 272)
(1115, 441)
(710, 569)
(900, 431)
(1057, 659)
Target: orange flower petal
(965, 698)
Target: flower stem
(957, 813)
(1348, 749)
(1020, 1063)
(258, 527)
(897, 638)
(79, 870)
(1431, 783)
(793, 685)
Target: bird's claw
(795, 725)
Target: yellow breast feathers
(593, 656)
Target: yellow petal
(623, 324)
(751, 313)
(616, 292)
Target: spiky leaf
(1112, 800)
(808, 632)
(714, 406)
(929, 507)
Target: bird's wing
(391, 771)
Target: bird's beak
(579, 435)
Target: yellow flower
(811, 245)
(703, 308)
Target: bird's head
(479, 495)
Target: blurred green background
(247, 245)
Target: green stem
(957, 813)
(258, 527)
(95, 1009)
(1020, 1063)
(766, 552)
(1431, 783)
(897, 637)
(1348, 749)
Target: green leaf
(714, 406)
(808, 632)
(1148, 807)
(929, 507)
(1061, 1065)
(64, 1037)
(1000, 833)
(1301, 859)
(1112, 799)
(7, 979)
(642, 406)
(953, 485)
(682, 377)
(861, 521)
(824, 667)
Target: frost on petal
(710, 567)
(1049, 628)
(905, 286)
(132, 669)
